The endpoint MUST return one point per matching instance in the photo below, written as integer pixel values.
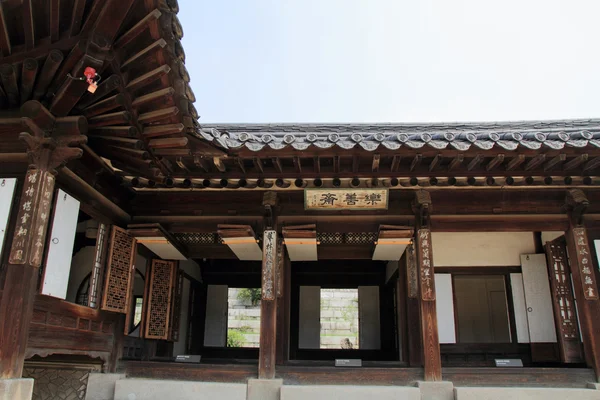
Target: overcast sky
(392, 60)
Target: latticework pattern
(194, 238)
(346, 238)
(118, 278)
(159, 301)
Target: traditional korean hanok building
(470, 249)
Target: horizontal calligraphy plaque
(346, 199)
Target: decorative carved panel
(563, 301)
(119, 272)
(425, 265)
(160, 296)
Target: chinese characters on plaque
(425, 259)
(346, 199)
(561, 285)
(585, 264)
(32, 218)
(269, 264)
(411, 272)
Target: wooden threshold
(327, 375)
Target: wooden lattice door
(120, 269)
(563, 302)
(164, 291)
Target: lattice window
(119, 272)
(160, 295)
(194, 238)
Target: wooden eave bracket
(392, 242)
(242, 241)
(301, 242)
(145, 233)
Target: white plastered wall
(445, 308)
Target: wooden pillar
(415, 354)
(283, 306)
(48, 142)
(584, 279)
(429, 330)
(268, 304)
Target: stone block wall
(339, 318)
(243, 318)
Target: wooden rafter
(555, 162)
(277, 164)
(297, 164)
(375, 163)
(474, 163)
(258, 165)
(592, 164)
(415, 162)
(5, 46)
(54, 20)
(576, 162)
(77, 17)
(535, 162)
(395, 163)
(336, 164)
(456, 162)
(28, 25)
(437, 160)
(240, 162)
(219, 164)
(496, 161)
(317, 164)
(355, 163)
(515, 162)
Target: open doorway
(339, 319)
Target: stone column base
(16, 389)
(102, 386)
(593, 385)
(264, 389)
(436, 390)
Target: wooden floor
(310, 375)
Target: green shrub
(235, 338)
(252, 295)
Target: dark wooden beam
(105, 87)
(435, 162)
(5, 46)
(355, 163)
(8, 75)
(53, 61)
(277, 164)
(515, 162)
(111, 18)
(297, 164)
(240, 162)
(28, 25)
(336, 164)
(456, 162)
(555, 162)
(317, 165)
(54, 20)
(148, 78)
(28, 73)
(432, 363)
(395, 163)
(142, 54)
(474, 163)
(202, 163)
(592, 164)
(158, 115)
(137, 29)
(162, 130)
(375, 163)
(219, 164)
(258, 165)
(576, 162)
(496, 161)
(535, 162)
(77, 17)
(415, 162)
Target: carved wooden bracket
(49, 140)
(270, 201)
(576, 203)
(422, 208)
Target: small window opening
(243, 317)
(339, 319)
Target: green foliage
(250, 295)
(235, 338)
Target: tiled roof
(460, 136)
